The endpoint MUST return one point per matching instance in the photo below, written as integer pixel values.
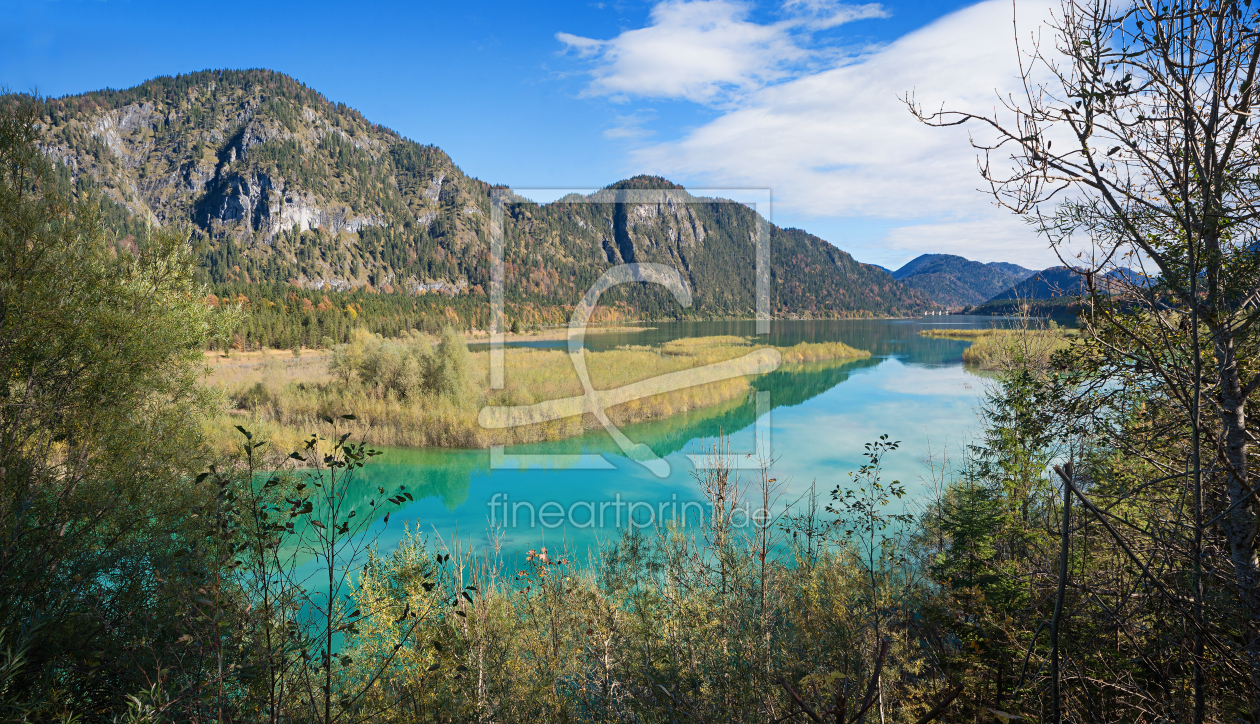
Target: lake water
(818, 417)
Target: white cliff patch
(697, 228)
(363, 222)
(107, 130)
(435, 187)
(299, 213)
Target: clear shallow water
(819, 416)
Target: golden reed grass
(281, 398)
(1006, 349)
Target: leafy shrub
(407, 368)
(254, 398)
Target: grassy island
(1005, 349)
(426, 391)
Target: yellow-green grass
(1006, 349)
(282, 398)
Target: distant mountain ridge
(1012, 269)
(1056, 281)
(1058, 291)
(1063, 281)
(279, 185)
(954, 281)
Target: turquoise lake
(912, 388)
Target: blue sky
(797, 96)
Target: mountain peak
(644, 181)
(281, 185)
(955, 281)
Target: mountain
(1057, 291)
(278, 185)
(953, 281)
(1062, 281)
(1012, 269)
(1057, 281)
(914, 265)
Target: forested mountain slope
(1057, 281)
(954, 281)
(279, 185)
(1062, 281)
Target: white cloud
(823, 14)
(629, 127)
(627, 131)
(839, 143)
(708, 51)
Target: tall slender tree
(1134, 150)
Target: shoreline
(476, 336)
(558, 332)
(481, 336)
(282, 399)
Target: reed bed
(283, 397)
(1008, 349)
(667, 625)
(700, 618)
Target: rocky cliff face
(276, 183)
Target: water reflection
(913, 388)
(448, 474)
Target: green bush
(100, 435)
(407, 368)
(254, 398)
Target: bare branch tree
(1133, 145)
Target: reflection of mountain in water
(789, 385)
(793, 384)
(881, 337)
(447, 474)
